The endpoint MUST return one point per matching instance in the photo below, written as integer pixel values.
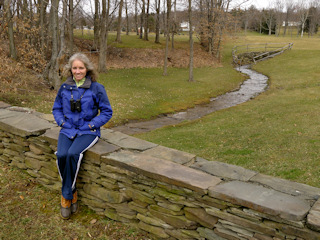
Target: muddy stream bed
(250, 88)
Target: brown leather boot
(74, 203)
(65, 208)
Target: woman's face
(79, 71)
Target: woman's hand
(66, 125)
(85, 127)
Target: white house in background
(185, 27)
(291, 24)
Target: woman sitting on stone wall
(81, 107)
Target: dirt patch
(150, 58)
(118, 58)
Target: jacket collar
(86, 84)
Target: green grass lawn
(277, 133)
(146, 93)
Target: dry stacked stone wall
(168, 193)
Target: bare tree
(71, 26)
(289, 5)
(136, 16)
(190, 42)
(313, 19)
(62, 28)
(146, 21)
(303, 12)
(142, 18)
(174, 23)
(118, 39)
(51, 72)
(269, 19)
(13, 52)
(279, 5)
(127, 18)
(43, 7)
(157, 6)
(165, 68)
(103, 36)
(96, 24)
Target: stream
(250, 88)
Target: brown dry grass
(29, 211)
(151, 58)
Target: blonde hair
(87, 63)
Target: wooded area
(40, 33)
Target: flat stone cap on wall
(125, 141)
(163, 170)
(22, 123)
(223, 170)
(4, 105)
(262, 199)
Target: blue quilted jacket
(95, 108)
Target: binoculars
(75, 105)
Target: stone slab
(4, 113)
(99, 149)
(22, 124)
(163, 170)
(48, 117)
(261, 199)
(172, 155)
(52, 135)
(300, 190)
(313, 219)
(4, 105)
(223, 170)
(125, 141)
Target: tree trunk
(302, 29)
(118, 39)
(146, 27)
(191, 43)
(127, 18)
(31, 20)
(63, 28)
(103, 37)
(211, 27)
(62, 53)
(142, 18)
(96, 25)
(164, 18)
(202, 23)
(165, 68)
(174, 24)
(13, 52)
(42, 24)
(71, 26)
(157, 38)
(286, 22)
(136, 16)
(270, 26)
(51, 72)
